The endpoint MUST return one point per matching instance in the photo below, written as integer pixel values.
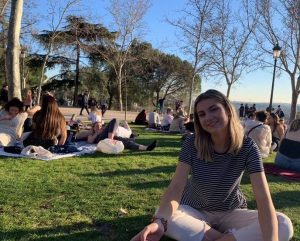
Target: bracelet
(163, 221)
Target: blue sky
(254, 87)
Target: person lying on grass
(204, 201)
(114, 132)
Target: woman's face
(13, 111)
(97, 126)
(212, 116)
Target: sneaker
(151, 146)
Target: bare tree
(57, 13)
(13, 49)
(194, 28)
(3, 36)
(280, 23)
(127, 20)
(231, 40)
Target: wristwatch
(163, 221)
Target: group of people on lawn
(49, 127)
(177, 122)
(203, 200)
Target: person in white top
(153, 120)
(12, 118)
(177, 124)
(249, 120)
(167, 120)
(260, 132)
(95, 114)
(123, 130)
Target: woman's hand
(152, 232)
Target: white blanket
(83, 148)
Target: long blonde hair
(203, 140)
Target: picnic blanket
(272, 169)
(83, 148)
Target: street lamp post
(276, 54)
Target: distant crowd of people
(85, 102)
(245, 111)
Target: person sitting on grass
(154, 120)
(260, 132)
(95, 114)
(12, 118)
(204, 201)
(167, 120)
(141, 118)
(177, 125)
(48, 125)
(288, 155)
(277, 130)
(114, 132)
(189, 124)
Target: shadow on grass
(123, 228)
(284, 199)
(160, 169)
(154, 184)
(161, 142)
(271, 179)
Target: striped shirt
(215, 185)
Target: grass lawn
(79, 198)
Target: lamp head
(276, 51)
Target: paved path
(109, 114)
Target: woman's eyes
(214, 109)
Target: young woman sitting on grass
(12, 118)
(204, 201)
(277, 130)
(288, 155)
(141, 118)
(95, 114)
(114, 132)
(48, 125)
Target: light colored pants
(188, 224)
(6, 139)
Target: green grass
(79, 198)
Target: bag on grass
(109, 146)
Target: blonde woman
(95, 114)
(204, 201)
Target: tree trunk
(293, 106)
(38, 98)
(191, 95)
(3, 43)
(75, 99)
(120, 89)
(110, 99)
(13, 49)
(228, 90)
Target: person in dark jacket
(85, 102)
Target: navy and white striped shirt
(214, 186)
